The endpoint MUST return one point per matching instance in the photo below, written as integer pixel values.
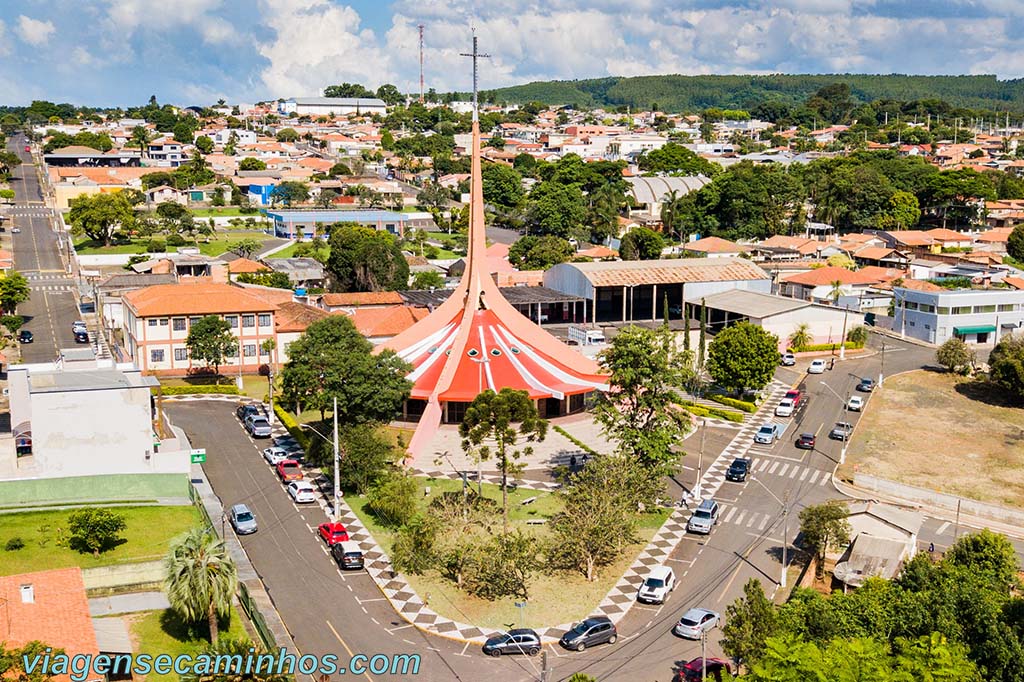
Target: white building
(222, 137)
(982, 316)
(624, 146)
(332, 106)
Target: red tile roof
(244, 265)
(713, 245)
(195, 298)
(386, 322)
(1015, 282)
(296, 317)
(829, 274)
(362, 298)
(883, 274)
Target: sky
(119, 52)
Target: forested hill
(694, 93)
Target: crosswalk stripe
(824, 479)
(739, 519)
(764, 465)
(764, 522)
(782, 471)
(803, 476)
(753, 517)
(728, 514)
(793, 472)
(775, 465)
(815, 476)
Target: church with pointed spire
(476, 340)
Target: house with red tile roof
(820, 285)
(246, 266)
(714, 247)
(381, 324)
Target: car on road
(78, 325)
(257, 426)
(516, 641)
(856, 403)
(81, 336)
(711, 669)
(242, 519)
(696, 621)
(302, 492)
(817, 367)
(841, 431)
(274, 455)
(25, 336)
(289, 470)
(704, 517)
(592, 631)
(866, 385)
(785, 408)
(806, 441)
(332, 533)
(768, 434)
(245, 410)
(654, 589)
(738, 470)
(787, 360)
(795, 395)
(16, 230)
(348, 555)
(28, 149)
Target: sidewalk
(128, 603)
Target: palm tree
(837, 291)
(233, 650)
(801, 337)
(200, 578)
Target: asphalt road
(51, 308)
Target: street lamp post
(700, 458)
(846, 413)
(881, 372)
(337, 458)
(785, 526)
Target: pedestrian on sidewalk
(572, 463)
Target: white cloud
(34, 31)
(5, 48)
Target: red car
(796, 396)
(289, 470)
(333, 533)
(717, 670)
(27, 148)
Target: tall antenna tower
(421, 63)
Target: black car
(518, 641)
(81, 337)
(738, 470)
(25, 336)
(866, 385)
(596, 630)
(347, 554)
(806, 441)
(246, 410)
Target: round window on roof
(433, 349)
(495, 352)
(515, 351)
(473, 352)
(448, 352)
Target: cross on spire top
(475, 54)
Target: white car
(695, 622)
(656, 586)
(275, 454)
(817, 367)
(302, 492)
(785, 408)
(856, 403)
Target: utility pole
(700, 459)
(337, 463)
(421, 62)
(881, 373)
(785, 536)
(545, 672)
(703, 655)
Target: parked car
(78, 325)
(257, 426)
(81, 336)
(592, 631)
(16, 230)
(704, 517)
(654, 589)
(841, 431)
(856, 403)
(788, 360)
(242, 519)
(302, 492)
(768, 434)
(275, 454)
(246, 410)
(806, 441)
(738, 470)
(25, 336)
(711, 669)
(27, 148)
(332, 533)
(785, 408)
(289, 470)
(347, 554)
(817, 367)
(517, 641)
(696, 621)
(866, 385)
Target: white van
(656, 586)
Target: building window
(232, 321)
(264, 319)
(156, 356)
(943, 310)
(909, 305)
(163, 321)
(984, 309)
(926, 308)
(1007, 307)
(181, 354)
(193, 321)
(250, 350)
(151, 322)
(264, 350)
(248, 321)
(962, 310)
(179, 324)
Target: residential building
(714, 247)
(306, 273)
(333, 106)
(77, 155)
(243, 136)
(884, 538)
(977, 316)
(165, 152)
(823, 285)
(631, 146)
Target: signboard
(198, 456)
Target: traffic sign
(198, 456)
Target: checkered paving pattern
(489, 478)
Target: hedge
(702, 411)
(226, 389)
(575, 441)
(292, 425)
(850, 345)
(743, 405)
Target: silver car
(695, 622)
(242, 519)
(258, 426)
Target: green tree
(415, 547)
(858, 335)
(801, 337)
(13, 661)
(502, 185)
(14, 289)
(933, 658)
(390, 94)
(210, 340)
(236, 651)
(428, 279)
(903, 212)
(99, 216)
(641, 243)
(287, 135)
(1015, 244)
(200, 579)
(493, 426)
(276, 280)
(824, 527)
(539, 253)
(339, 169)
(788, 658)
(250, 163)
(369, 456)
(8, 162)
(675, 159)
(556, 209)
(1006, 364)
(354, 90)
(325, 198)
(749, 622)
(245, 248)
(12, 323)
(290, 192)
(204, 144)
(743, 356)
(507, 564)
(955, 356)
(364, 259)
(638, 411)
(393, 499)
(988, 555)
(94, 530)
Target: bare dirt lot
(939, 431)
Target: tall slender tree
(200, 578)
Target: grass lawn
(556, 597)
(226, 212)
(149, 532)
(253, 386)
(214, 247)
(981, 452)
(163, 632)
